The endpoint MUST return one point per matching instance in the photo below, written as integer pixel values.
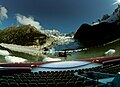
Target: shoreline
(37, 50)
(31, 50)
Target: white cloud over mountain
(117, 2)
(3, 13)
(28, 20)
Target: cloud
(115, 3)
(27, 20)
(3, 13)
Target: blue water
(70, 46)
(30, 58)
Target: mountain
(71, 34)
(100, 32)
(27, 35)
(57, 37)
(22, 35)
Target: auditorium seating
(23, 77)
(45, 79)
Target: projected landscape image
(58, 30)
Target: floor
(65, 65)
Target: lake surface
(17, 56)
(91, 52)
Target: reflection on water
(91, 52)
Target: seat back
(116, 81)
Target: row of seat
(56, 78)
(110, 68)
(20, 80)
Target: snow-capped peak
(60, 38)
(113, 17)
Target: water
(92, 52)
(12, 56)
(72, 45)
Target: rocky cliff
(97, 34)
(22, 35)
(101, 32)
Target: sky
(63, 15)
